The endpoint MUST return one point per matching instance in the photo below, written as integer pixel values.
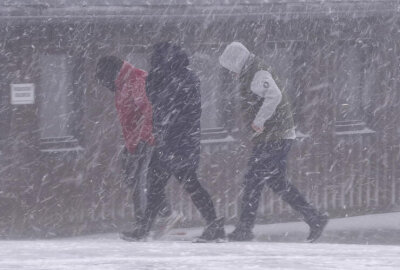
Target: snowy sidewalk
(369, 229)
(108, 252)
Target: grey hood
(234, 57)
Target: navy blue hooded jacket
(174, 91)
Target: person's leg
(253, 186)
(167, 218)
(200, 197)
(275, 175)
(137, 201)
(131, 167)
(157, 178)
(277, 181)
(214, 229)
(140, 176)
(165, 209)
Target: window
(3, 114)
(280, 58)
(56, 87)
(58, 97)
(4, 103)
(206, 66)
(352, 84)
(347, 83)
(217, 94)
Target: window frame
(73, 140)
(362, 48)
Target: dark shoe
(241, 234)
(214, 231)
(317, 226)
(136, 235)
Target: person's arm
(139, 98)
(138, 95)
(264, 86)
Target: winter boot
(136, 235)
(317, 225)
(214, 231)
(241, 234)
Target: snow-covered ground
(369, 229)
(111, 253)
(173, 252)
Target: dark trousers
(267, 166)
(158, 176)
(134, 169)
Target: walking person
(135, 115)
(174, 91)
(268, 120)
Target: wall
(72, 187)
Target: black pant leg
(137, 188)
(267, 165)
(253, 186)
(132, 166)
(158, 176)
(285, 189)
(200, 197)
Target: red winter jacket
(134, 109)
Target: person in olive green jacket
(269, 123)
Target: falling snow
(64, 135)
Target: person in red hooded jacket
(135, 115)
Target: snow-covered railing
(216, 139)
(60, 144)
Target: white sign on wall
(23, 93)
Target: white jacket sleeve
(264, 86)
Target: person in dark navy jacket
(174, 91)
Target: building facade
(60, 137)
